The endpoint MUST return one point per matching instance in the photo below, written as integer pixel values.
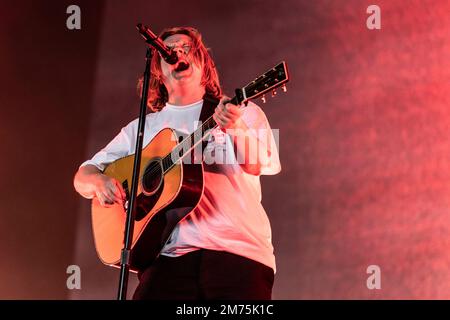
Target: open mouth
(182, 66)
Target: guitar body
(162, 201)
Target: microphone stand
(129, 224)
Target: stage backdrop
(364, 140)
(46, 94)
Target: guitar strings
(165, 160)
(209, 124)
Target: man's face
(186, 70)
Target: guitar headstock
(268, 81)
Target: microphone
(152, 39)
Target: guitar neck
(270, 80)
(189, 143)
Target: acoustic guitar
(169, 186)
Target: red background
(363, 137)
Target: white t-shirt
(229, 216)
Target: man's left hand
(228, 116)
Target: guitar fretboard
(188, 143)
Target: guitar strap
(209, 105)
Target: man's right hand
(90, 182)
(108, 191)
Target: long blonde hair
(157, 92)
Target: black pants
(205, 275)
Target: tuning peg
(263, 98)
(284, 88)
(274, 93)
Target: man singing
(223, 248)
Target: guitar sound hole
(152, 177)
